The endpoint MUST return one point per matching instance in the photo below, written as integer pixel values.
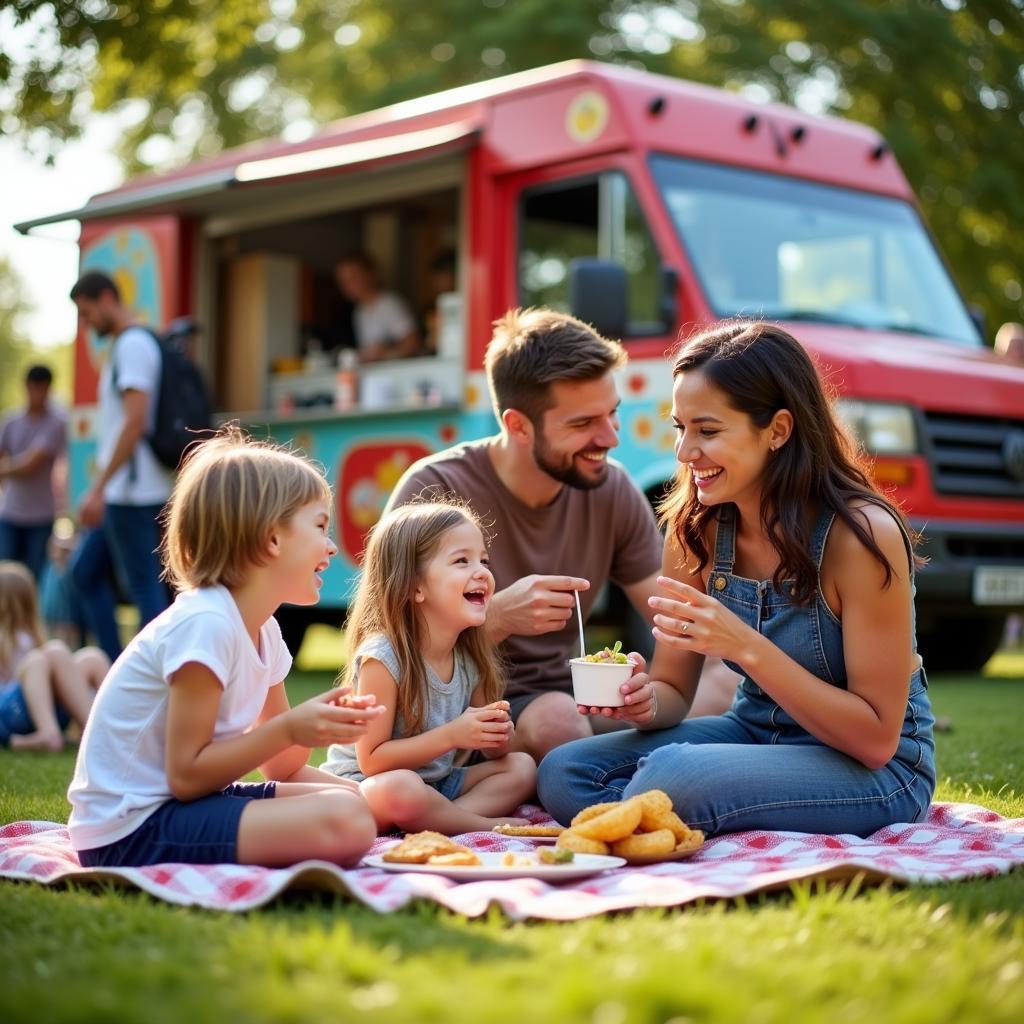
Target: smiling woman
(782, 559)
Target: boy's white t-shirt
(120, 776)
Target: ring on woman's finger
(686, 626)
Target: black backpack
(183, 408)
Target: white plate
(491, 868)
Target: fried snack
(419, 847)
(655, 805)
(613, 825)
(570, 839)
(679, 828)
(461, 858)
(645, 844)
(530, 831)
(694, 840)
(590, 812)
(641, 829)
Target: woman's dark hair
(761, 368)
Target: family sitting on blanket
(780, 558)
(565, 519)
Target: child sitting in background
(43, 686)
(416, 633)
(196, 700)
(59, 601)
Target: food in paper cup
(596, 678)
(609, 656)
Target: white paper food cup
(596, 683)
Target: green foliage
(812, 953)
(17, 352)
(816, 955)
(14, 346)
(941, 79)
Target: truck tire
(959, 644)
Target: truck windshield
(786, 249)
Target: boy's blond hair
(229, 496)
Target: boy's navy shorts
(203, 831)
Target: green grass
(810, 953)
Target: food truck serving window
(591, 217)
(765, 245)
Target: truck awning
(184, 194)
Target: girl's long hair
(19, 613)
(395, 559)
(761, 368)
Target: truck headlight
(882, 429)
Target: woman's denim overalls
(754, 767)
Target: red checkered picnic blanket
(957, 841)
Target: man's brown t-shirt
(607, 533)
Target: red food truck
(645, 204)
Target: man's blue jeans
(126, 546)
(26, 544)
(91, 571)
(133, 537)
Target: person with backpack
(131, 484)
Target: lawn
(813, 953)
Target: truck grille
(987, 548)
(975, 456)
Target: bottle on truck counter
(346, 380)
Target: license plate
(998, 586)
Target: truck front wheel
(959, 643)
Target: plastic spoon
(579, 616)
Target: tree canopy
(941, 79)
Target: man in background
(384, 326)
(131, 486)
(30, 443)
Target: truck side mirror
(668, 305)
(597, 295)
